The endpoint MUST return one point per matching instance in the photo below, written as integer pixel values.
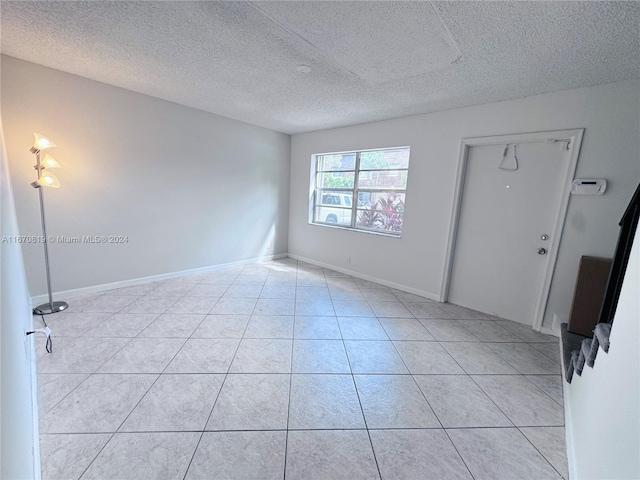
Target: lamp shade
(41, 142)
(49, 162)
(48, 179)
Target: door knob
(544, 236)
(542, 251)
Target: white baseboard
(381, 281)
(549, 331)
(77, 292)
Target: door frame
(574, 136)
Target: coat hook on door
(509, 164)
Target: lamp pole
(51, 306)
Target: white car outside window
(336, 214)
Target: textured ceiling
(369, 60)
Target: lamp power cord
(47, 332)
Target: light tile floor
(288, 370)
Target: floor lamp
(45, 179)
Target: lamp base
(47, 308)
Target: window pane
(382, 221)
(383, 211)
(339, 216)
(385, 159)
(335, 180)
(381, 200)
(383, 179)
(336, 162)
(337, 198)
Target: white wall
(19, 450)
(602, 407)
(190, 189)
(610, 149)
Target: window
(377, 179)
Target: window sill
(356, 230)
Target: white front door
(498, 265)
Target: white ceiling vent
(377, 41)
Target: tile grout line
(469, 375)
(95, 372)
(352, 429)
(538, 450)
(73, 390)
(204, 428)
(97, 455)
(545, 393)
(493, 401)
(114, 433)
(286, 439)
(458, 452)
(221, 296)
(353, 379)
(364, 418)
(150, 387)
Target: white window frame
(353, 191)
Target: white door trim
(575, 138)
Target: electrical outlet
(348, 259)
